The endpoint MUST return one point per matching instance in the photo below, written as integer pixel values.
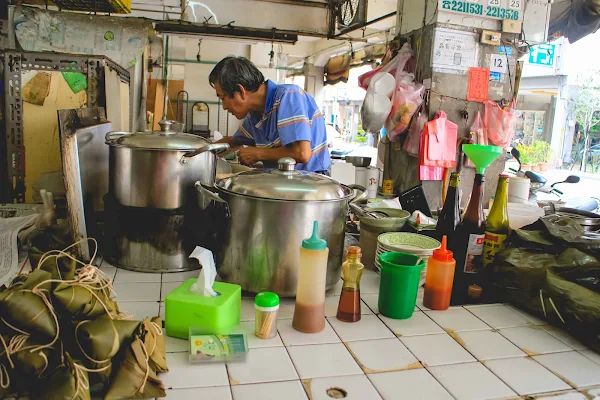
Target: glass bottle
(467, 245)
(352, 269)
(496, 224)
(449, 217)
(439, 278)
(309, 312)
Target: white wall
(266, 15)
(195, 75)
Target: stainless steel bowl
(359, 161)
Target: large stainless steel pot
(157, 169)
(266, 215)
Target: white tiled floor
(425, 357)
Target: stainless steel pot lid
(165, 139)
(285, 183)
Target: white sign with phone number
(496, 9)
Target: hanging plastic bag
(477, 136)
(499, 124)
(411, 144)
(398, 62)
(478, 130)
(406, 101)
(377, 105)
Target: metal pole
(165, 71)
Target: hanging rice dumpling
(27, 312)
(134, 378)
(154, 340)
(102, 338)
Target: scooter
(585, 205)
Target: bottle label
(493, 243)
(474, 252)
(388, 186)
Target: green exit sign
(542, 54)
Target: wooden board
(155, 101)
(40, 131)
(117, 100)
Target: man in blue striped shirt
(279, 120)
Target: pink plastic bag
(398, 62)
(499, 124)
(406, 100)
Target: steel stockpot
(157, 169)
(265, 215)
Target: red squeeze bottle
(439, 278)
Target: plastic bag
(499, 124)
(399, 61)
(406, 101)
(478, 131)
(411, 144)
(374, 110)
(546, 269)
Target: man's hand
(249, 155)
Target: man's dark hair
(231, 72)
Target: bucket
(371, 228)
(518, 189)
(400, 275)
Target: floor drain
(336, 393)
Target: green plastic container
(207, 315)
(400, 275)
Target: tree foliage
(587, 114)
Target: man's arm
(299, 151)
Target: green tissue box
(207, 315)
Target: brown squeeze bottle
(349, 305)
(449, 217)
(467, 246)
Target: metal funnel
(481, 155)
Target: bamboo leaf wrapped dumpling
(134, 378)
(101, 339)
(84, 301)
(154, 340)
(68, 381)
(28, 312)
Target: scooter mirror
(572, 179)
(535, 178)
(515, 153)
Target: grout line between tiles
(228, 380)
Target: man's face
(236, 104)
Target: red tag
(478, 84)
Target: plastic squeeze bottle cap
(443, 254)
(314, 242)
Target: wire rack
(108, 6)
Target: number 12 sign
(496, 9)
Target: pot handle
(362, 193)
(206, 196)
(111, 137)
(213, 147)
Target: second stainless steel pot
(158, 169)
(265, 216)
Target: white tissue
(206, 278)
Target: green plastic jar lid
(266, 299)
